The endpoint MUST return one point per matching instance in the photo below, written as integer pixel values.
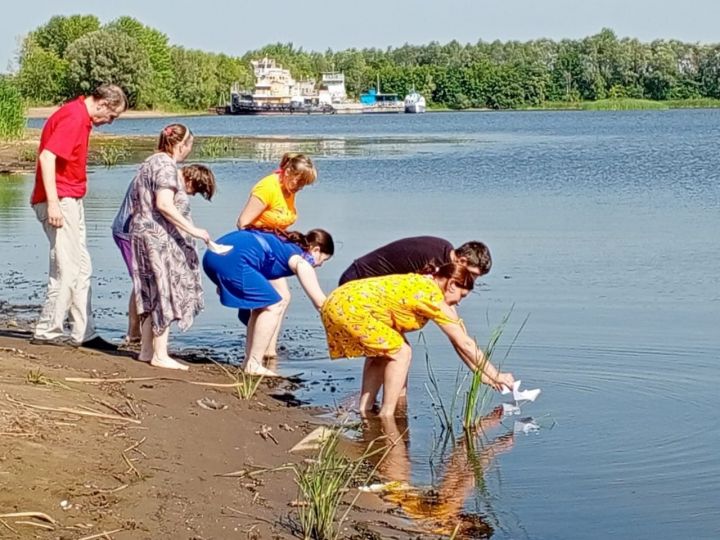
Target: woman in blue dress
(243, 280)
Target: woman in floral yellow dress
(370, 317)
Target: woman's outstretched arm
(308, 280)
(473, 357)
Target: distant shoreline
(18, 157)
(45, 112)
(625, 104)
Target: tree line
(69, 55)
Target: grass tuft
(37, 377)
(324, 481)
(215, 147)
(12, 111)
(27, 154)
(624, 104)
(245, 385)
(693, 103)
(111, 153)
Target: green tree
(661, 71)
(228, 72)
(60, 31)
(196, 78)
(107, 56)
(450, 89)
(156, 88)
(42, 78)
(358, 76)
(709, 73)
(566, 72)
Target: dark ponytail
(314, 238)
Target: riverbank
(45, 112)
(140, 453)
(19, 156)
(611, 104)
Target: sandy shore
(153, 456)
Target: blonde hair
(298, 166)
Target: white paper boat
(220, 249)
(522, 395)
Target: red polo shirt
(66, 134)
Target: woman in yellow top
(271, 207)
(370, 317)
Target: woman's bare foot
(168, 363)
(141, 358)
(254, 368)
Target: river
(603, 228)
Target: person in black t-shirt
(413, 254)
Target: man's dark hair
(476, 254)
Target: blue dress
(243, 275)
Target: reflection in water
(440, 509)
(12, 192)
(269, 150)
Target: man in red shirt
(60, 185)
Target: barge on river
(277, 92)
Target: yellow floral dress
(369, 317)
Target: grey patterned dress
(166, 268)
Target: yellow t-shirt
(280, 209)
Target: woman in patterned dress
(166, 275)
(369, 317)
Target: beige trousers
(68, 291)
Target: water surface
(603, 228)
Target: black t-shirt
(400, 257)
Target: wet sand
(145, 458)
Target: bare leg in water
(390, 372)
(261, 328)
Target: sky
(236, 26)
